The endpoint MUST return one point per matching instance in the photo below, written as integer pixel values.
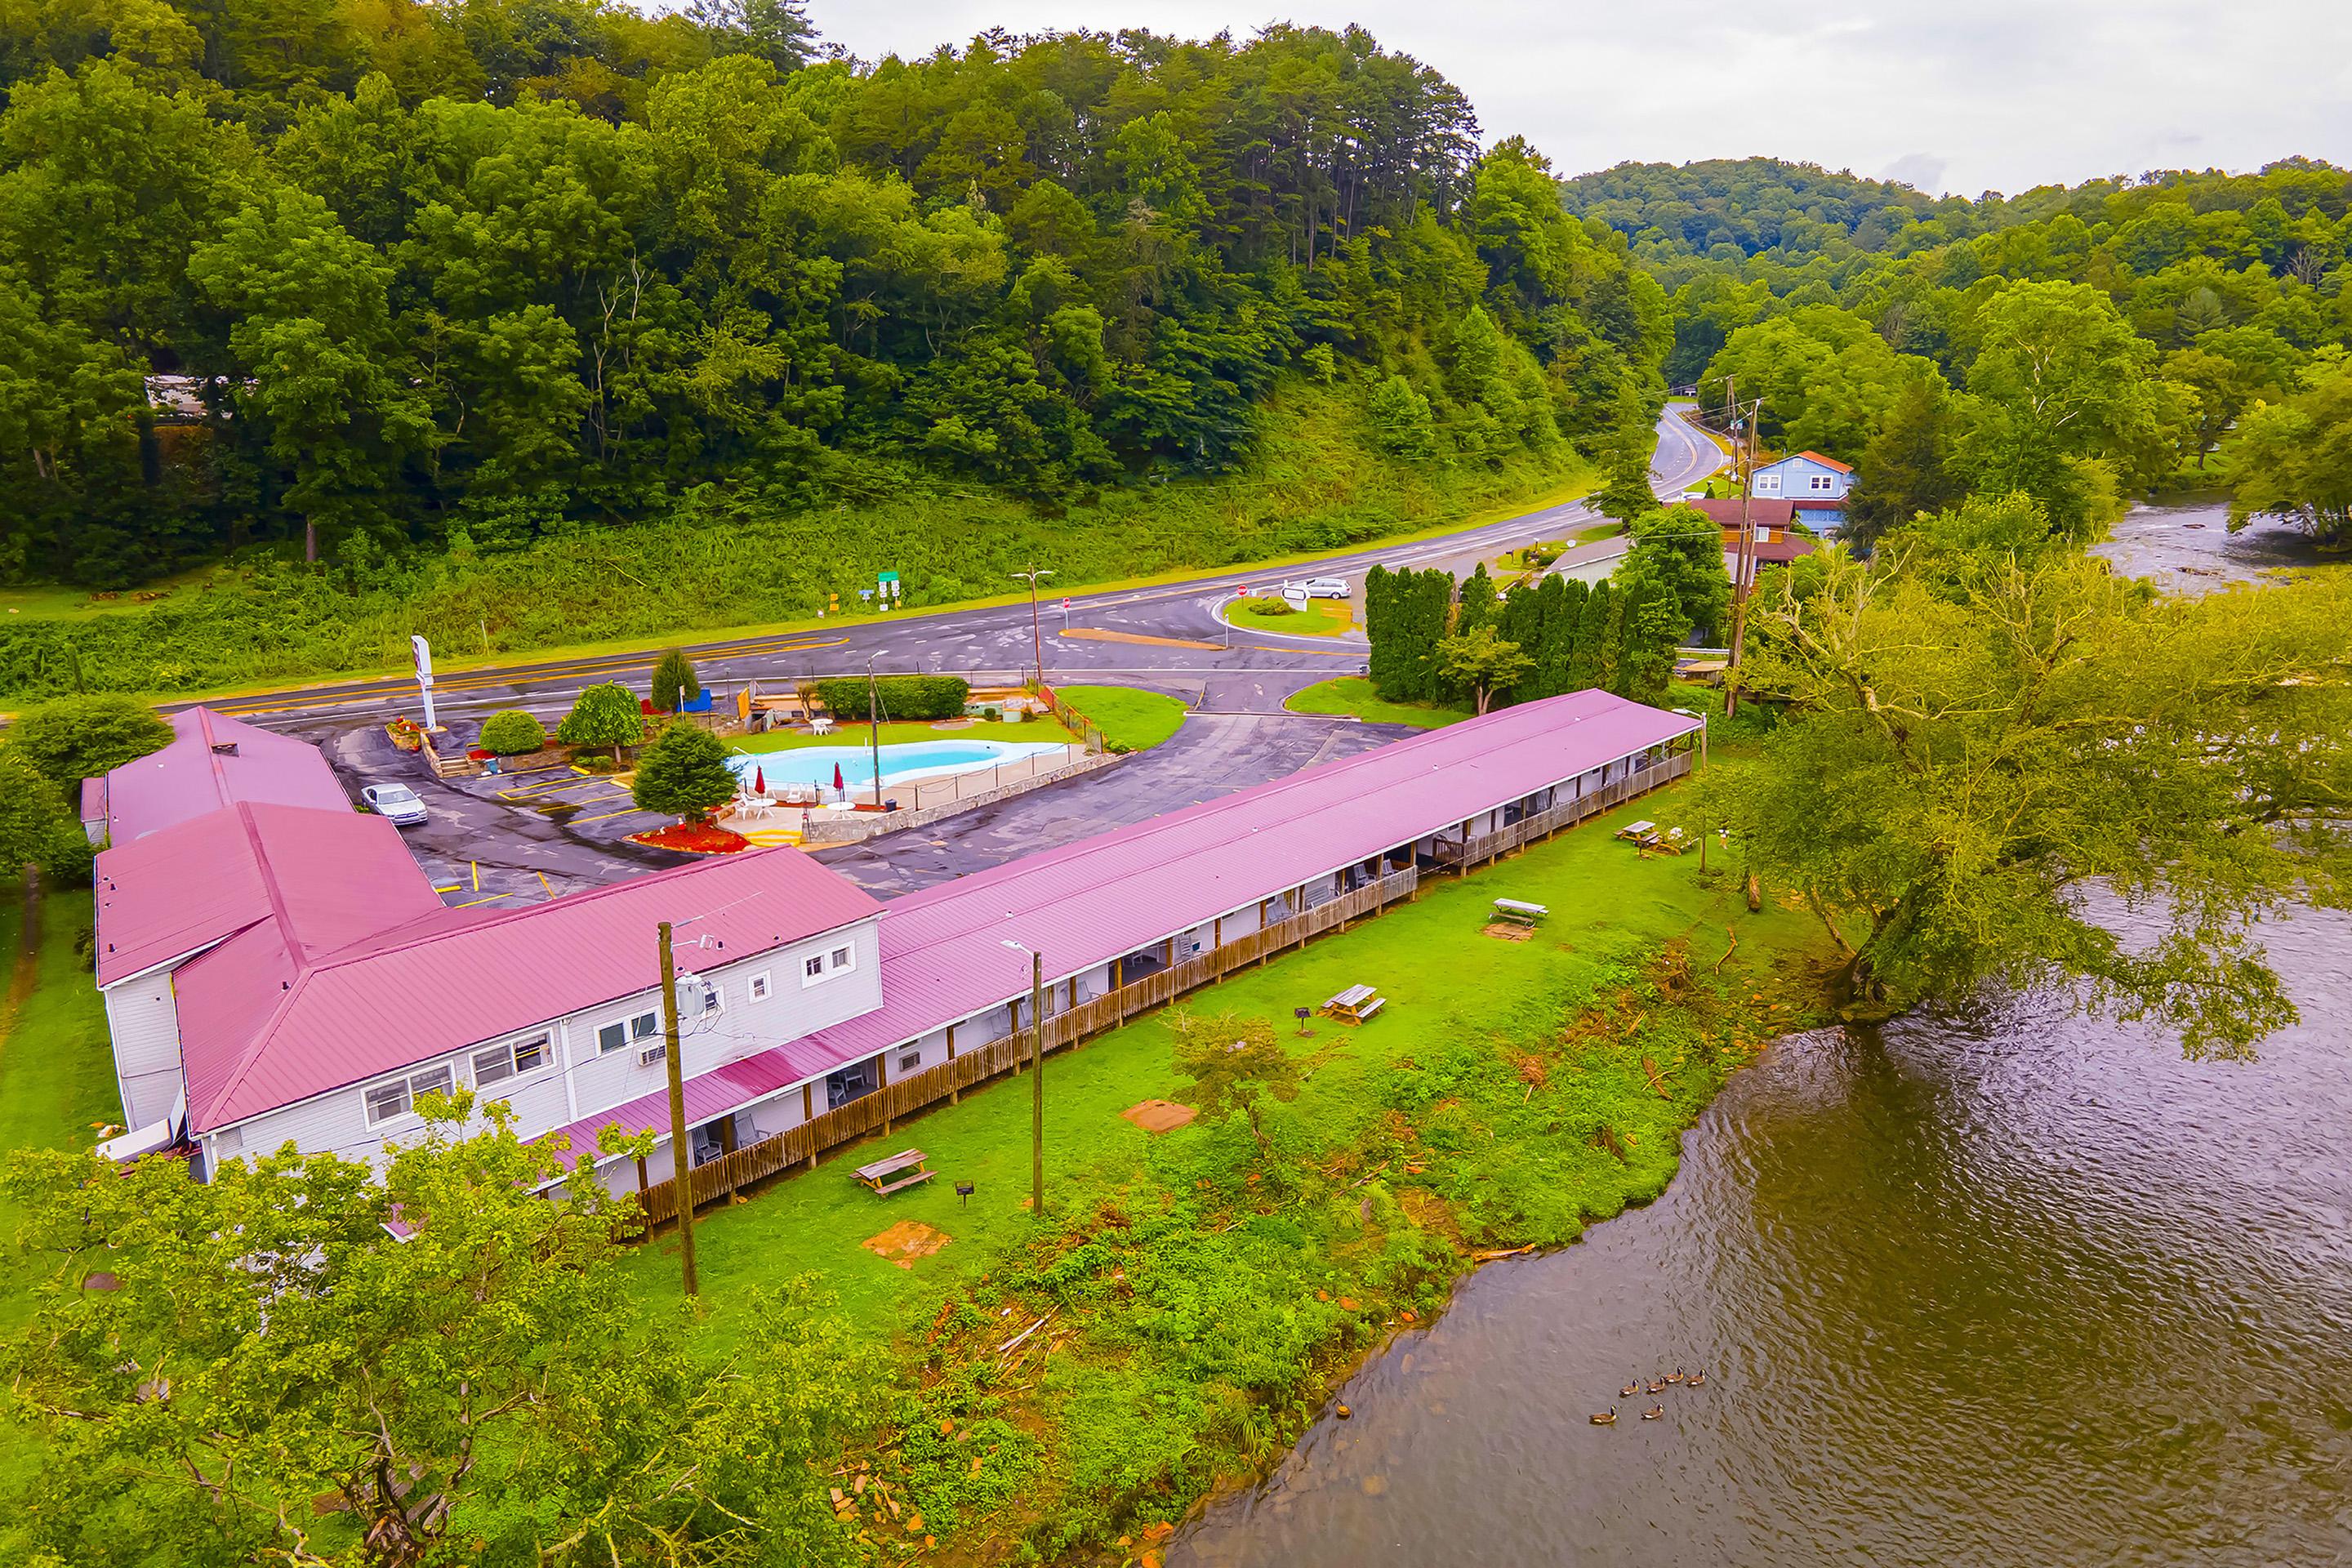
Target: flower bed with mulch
(693, 838)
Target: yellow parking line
(477, 865)
(608, 816)
(450, 888)
(545, 883)
(469, 903)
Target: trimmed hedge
(511, 734)
(902, 696)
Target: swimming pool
(920, 758)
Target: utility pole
(681, 1157)
(1036, 633)
(874, 727)
(1037, 1085)
(1745, 459)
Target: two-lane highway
(993, 638)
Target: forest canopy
(367, 279)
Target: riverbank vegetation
(1984, 734)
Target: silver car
(1324, 587)
(397, 804)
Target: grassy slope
(1321, 618)
(1354, 694)
(1129, 719)
(1314, 488)
(1202, 1300)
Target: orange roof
(1828, 462)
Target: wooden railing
(977, 1064)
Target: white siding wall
(144, 1021)
(579, 1079)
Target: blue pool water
(921, 759)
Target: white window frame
(816, 968)
(631, 1032)
(544, 1039)
(760, 986)
(416, 1081)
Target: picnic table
(1513, 911)
(903, 1169)
(1639, 831)
(1355, 1005)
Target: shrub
(684, 774)
(79, 738)
(991, 714)
(603, 716)
(512, 733)
(1273, 605)
(598, 764)
(673, 681)
(902, 696)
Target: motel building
(277, 969)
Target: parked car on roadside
(397, 804)
(1322, 587)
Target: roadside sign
(1065, 606)
(424, 652)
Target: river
(2000, 1285)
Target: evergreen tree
(1586, 667)
(1653, 622)
(1380, 630)
(684, 774)
(673, 682)
(1908, 466)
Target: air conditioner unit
(648, 1055)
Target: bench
(1355, 1005)
(1512, 911)
(903, 1169)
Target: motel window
(397, 1096)
(500, 1063)
(760, 986)
(614, 1036)
(819, 966)
(910, 1061)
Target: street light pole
(1037, 632)
(1744, 458)
(681, 1159)
(874, 727)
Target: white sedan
(1322, 587)
(397, 804)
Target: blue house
(1815, 485)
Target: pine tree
(684, 774)
(1380, 630)
(1594, 636)
(674, 684)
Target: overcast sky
(1964, 96)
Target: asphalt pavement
(519, 838)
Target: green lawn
(1037, 732)
(1203, 1297)
(1321, 618)
(1130, 720)
(1354, 694)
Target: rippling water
(2007, 1287)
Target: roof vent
(223, 748)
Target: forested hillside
(468, 278)
(2080, 345)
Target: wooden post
(726, 1147)
(1013, 1012)
(1037, 1088)
(808, 1115)
(681, 1156)
(881, 1084)
(955, 1091)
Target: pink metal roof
(943, 952)
(707, 1095)
(215, 762)
(460, 979)
(327, 878)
